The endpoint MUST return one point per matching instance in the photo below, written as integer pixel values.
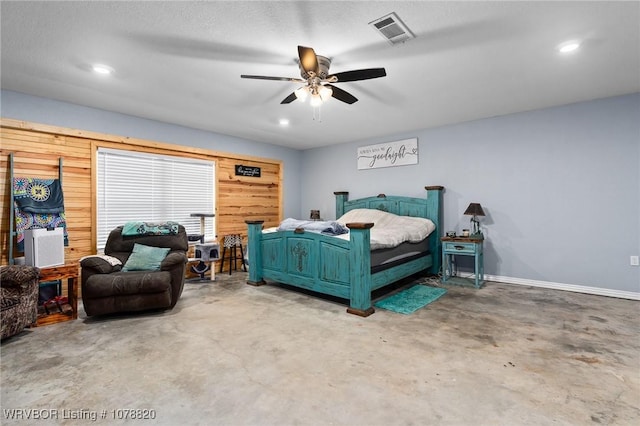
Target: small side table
(461, 246)
(54, 273)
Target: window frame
(176, 174)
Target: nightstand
(460, 246)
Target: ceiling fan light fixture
(302, 93)
(325, 93)
(315, 101)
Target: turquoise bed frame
(339, 267)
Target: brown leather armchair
(19, 296)
(107, 288)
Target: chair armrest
(101, 264)
(176, 257)
(18, 275)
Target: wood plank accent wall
(37, 148)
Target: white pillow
(389, 229)
(363, 215)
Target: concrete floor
(232, 354)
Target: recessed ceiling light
(284, 122)
(102, 69)
(569, 46)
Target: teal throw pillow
(145, 258)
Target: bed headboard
(430, 208)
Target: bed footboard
(316, 262)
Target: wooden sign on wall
(247, 171)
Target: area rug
(410, 300)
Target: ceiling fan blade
(264, 77)
(308, 59)
(356, 75)
(292, 97)
(342, 95)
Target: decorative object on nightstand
(315, 215)
(474, 210)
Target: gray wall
(560, 187)
(46, 111)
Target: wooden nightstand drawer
(460, 247)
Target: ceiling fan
(314, 70)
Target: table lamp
(474, 210)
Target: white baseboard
(566, 287)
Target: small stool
(232, 242)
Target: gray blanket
(320, 226)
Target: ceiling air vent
(392, 29)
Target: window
(135, 186)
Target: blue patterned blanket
(34, 195)
(321, 226)
(149, 228)
(38, 203)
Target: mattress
(382, 259)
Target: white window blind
(135, 186)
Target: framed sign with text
(247, 171)
(389, 154)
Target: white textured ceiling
(180, 62)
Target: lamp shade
(474, 209)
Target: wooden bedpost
(254, 248)
(434, 211)
(360, 271)
(341, 198)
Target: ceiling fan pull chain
(317, 113)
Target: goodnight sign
(390, 154)
(247, 171)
